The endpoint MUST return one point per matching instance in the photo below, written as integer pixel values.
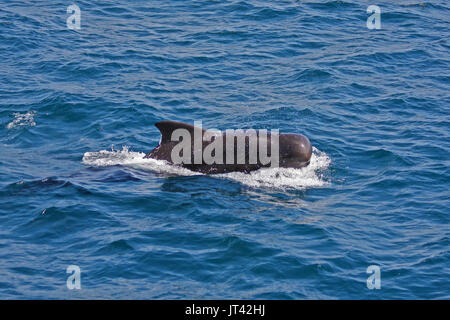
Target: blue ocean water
(77, 114)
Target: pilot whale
(212, 151)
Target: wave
(22, 119)
(280, 178)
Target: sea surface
(77, 115)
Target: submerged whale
(211, 151)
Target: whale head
(295, 150)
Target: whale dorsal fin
(168, 127)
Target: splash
(125, 157)
(287, 178)
(281, 178)
(22, 119)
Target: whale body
(291, 150)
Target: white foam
(22, 119)
(287, 178)
(125, 157)
(282, 178)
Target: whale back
(294, 150)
